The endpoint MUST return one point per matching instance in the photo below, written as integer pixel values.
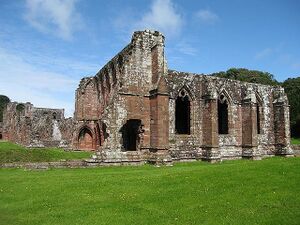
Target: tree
(292, 89)
(252, 76)
(3, 102)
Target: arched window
(182, 113)
(223, 115)
(259, 111)
(258, 118)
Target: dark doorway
(258, 118)
(223, 115)
(0, 136)
(131, 134)
(182, 115)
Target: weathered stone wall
(136, 87)
(36, 127)
(243, 139)
(135, 109)
(122, 88)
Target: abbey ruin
(137, 110)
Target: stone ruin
(36, 127)
(135, 110)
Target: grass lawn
(295, 141)
(10, 152)
(232, 192)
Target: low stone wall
(68, 164)
(296, 149)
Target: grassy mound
(232, 192)
(15, 153)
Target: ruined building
(36, 127)
(135, 110)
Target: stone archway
(85, 139)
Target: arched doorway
(85, 139)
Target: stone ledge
(69, 164)
(296, 149)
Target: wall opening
(1, 136)
(20, 109)
(182, 114)
(131, 134)
(222, 115)
(54, 116)
(258, 109)
(85, 139)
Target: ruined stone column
(210, 144)
(281, 123)
(159, 123)
(249, 126)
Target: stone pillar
(159, 117)
(281, 123)
(159, 124)
(249, 127)
(210, 143)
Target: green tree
(3, 102)
(292, 89)
(253, 76)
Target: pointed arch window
(258, 113)
(258, 118)
(223, 114)
(182, 113)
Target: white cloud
(206, 16)
(186, 48)
(23, 79)
(58, 17)
(162, 17)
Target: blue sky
(47, 46)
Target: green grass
(232, 192)
(15, 153)
(295, 141)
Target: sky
(47, 46)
